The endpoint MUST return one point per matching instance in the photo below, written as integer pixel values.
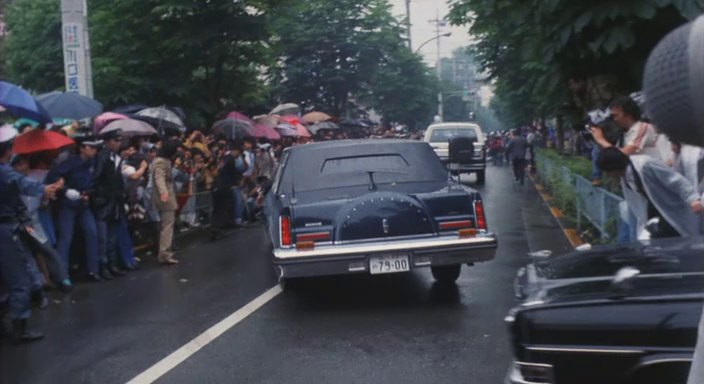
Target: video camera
(601, 119)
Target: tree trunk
(560, 130)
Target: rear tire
(481, 177)
(446, 274)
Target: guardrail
(597, 205)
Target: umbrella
(163, 127)
(70, 105)
(315, 117)
(25, 121)
(270, 121)
(106, 118)
(130, 127)
(354, 123)
(128, 109)
(238, 116)
(22, 104)
(324, 125)
(263, 131)
(39, 140)
(233, 129)
(285, 109)
(287, 130)
(296, 123)
(162, 113)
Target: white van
(439, 136)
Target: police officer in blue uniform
(14, 225)
(74, 204)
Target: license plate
(389, 264)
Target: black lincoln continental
(376, 207)
(622, 314)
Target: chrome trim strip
(666, 360)
(586, 350)
(481, 241)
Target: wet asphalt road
(351, 329)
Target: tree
(552, 56)
(31, 53)
(203, 56)
(331, 51)
(403, 89)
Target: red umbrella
(261, 130)
(39, 140)
(294, 121)
(238, 116)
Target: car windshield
(443, 135)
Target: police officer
(109, 197)
(74, 204)
(13, 224)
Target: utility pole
(408, 24)
(76, 46)
(439, 23)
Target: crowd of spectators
(118, 198)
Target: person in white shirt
(640, 138)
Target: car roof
(347, 144)
(454, 125)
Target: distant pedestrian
(517, 152)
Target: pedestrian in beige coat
(164, 199)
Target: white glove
(73, 195)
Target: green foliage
(204, 56)
(403, 89)
(543, 52)
(331, 52)
(31, 53)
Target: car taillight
(286, 235)
(317, 236)
(450, 225)
(480, 217)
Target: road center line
(171, 361)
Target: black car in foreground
(372, 206)
(614, 314)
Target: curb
(570, 233)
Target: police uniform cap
(112, 135)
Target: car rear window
(383, 162)
(443, 135)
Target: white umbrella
(323, 125)
(162, 113)
(130, 127)
(285, 109)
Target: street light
(448, 34)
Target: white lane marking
(171, 361)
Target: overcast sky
(422, 29)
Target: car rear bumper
(472, 167)
(354, 258)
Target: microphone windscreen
(673, 83)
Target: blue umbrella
(69, 105)
(22, 104)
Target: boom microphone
(674, 84)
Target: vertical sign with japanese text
(77, 69)
(74, 59)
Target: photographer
(640, 137)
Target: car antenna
(372, 185)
